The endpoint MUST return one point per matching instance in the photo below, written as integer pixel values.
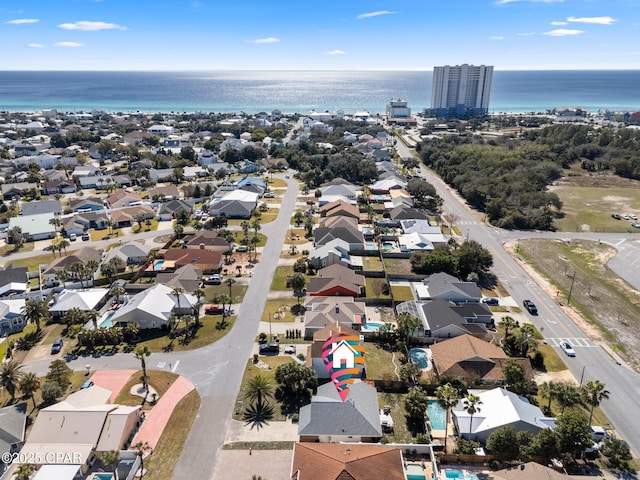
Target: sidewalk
(113, 380)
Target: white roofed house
(161, 130)
(235, 204)
(85, 300)
(34, 227)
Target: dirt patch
(564, 376)
(612, 306)
(603, 180)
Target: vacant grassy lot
(238, 292)
(378, 363)
(605, 301)
(279, 281)
(281, 307)
(589, 201)
(371, 284)
(296, 236)
(402, 431)
(372, 264)
(160, 465)
(397, 265)
(402, 293)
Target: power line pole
(573, 278)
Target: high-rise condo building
(461, 91)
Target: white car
(290, 349)
(568, 349)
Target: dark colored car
(272, 347)
(491, 301)
(530, 306)
(616, 216)
(57, 346)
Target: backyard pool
(437, 416)
(419, 357)
(158, 265)
(102, 476)
(371, 327)
(415, 472)
(388, 246)
(106, 321)
(370, 246)
(460, 475)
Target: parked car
(85, 237)
(568, 349)
(241, 248)
(269, 195)
(290, 349)
(214, 309)
(271, 347)
(635, 225)
(530, 306)
(215, 279)
(72, 237)
(632, 216)
(86, 384)
(57, 346)
(616, 216)
(491, 301)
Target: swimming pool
(460, 475)
(419, 357)
(415, 472)
(370, 246)
(158, 265)
(106, 321)
(103, 476)
(437, 415)
(371, 327)
(388, 246)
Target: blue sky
(326, 34)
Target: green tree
(548, 390)
(10, 375)
(473, 257)
(447, 397)
(567, 396)
(60, 374)
(229, 282)
(297, 281)
(471, 405)
(514, 377)
(24, 471)
(545, 444)
(258, 389)
(508, 323)
(574, 433)
(29, 385)
(141, 353)
(616, 451)
(416, 402)
(407, 326)
(295, 377)
(503, 443)
(593, 393)
(35, 311)
(110, 459)
(50, 392)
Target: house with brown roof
(210, 240)
(187, 277)
(83, 255)
(123, 198)
(335, 461)
(339, 221)
(339, 208)
(471, 359)
(336, 280)
(531, 471)
(127, 216)
(324, 311)
(161, 194)
(206, 260)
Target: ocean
(303, 91)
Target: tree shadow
(258, 414)
(29, 340)
(291, 402)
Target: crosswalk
(574, 342)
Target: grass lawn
(277, 183)
(402, 433)
(295, 236)
(372, 264)
(279, 305)
(32, 263)
(279, 281)
(369, 285)
(252, 371)
(261, 237)
(158, 379)
(270, 215)
(14, 338)
(237, 290)
(258, 446)
(397, 265)
(402, 293)
(378, 363)
(105, 235)
(552, 362)
(210, 331)
(160, 465)
(52, 332)
(6, 250)
(153, 226)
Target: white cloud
(265, 40)
(496, 37)
(596, 20)
(563, 32)
(374, 14)
(91, 26)
(67, 44)
(35, 45)
(526, 34)
(335, 52)
(22, 21)
(557, 23)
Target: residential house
(314, 358)
(339, 221)
(169, 210)
(187, 277)
(34, 227)
(339, 208)
(447, 287)
(354, 238)
(531, 471)
(443, 319)
(387, 184)
(20, 189)
(85, 171)
(334, 461)
(191, 173)
(275, 163)
(247, 166)
(420, 236)
(40, 207)
(127, 216)
(11, 318)
(207, 158)
(52, 175)
(123, 198)
(153, 307)
(66, 262)
(13, 280)
(335, 251)
(327, 419)
(86, 300)
(164, 193)
(58, 186)
(13, 423)
(472, 359)
(336, 280)
(160, 130)
(252, 184)
(44, 160)
(83, 205)
(98, 182)
(321, 312)
(161, 175)
(500, 408)
(235, 204)
(131, 253)
(81, 427)
(82, 222)
(406, 213)
(399, 197)
(206, 260)
(336, 191)
(208, 239)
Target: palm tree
(118, 291)
(548, 390)
(93, 268)
(178, 230)
(141, 448)
(187, 324)
(74, 316)
(63, 244)
(448, 397)
(245, 226)
(110, 459)
(259, 388)
(35, 311)
(93, 315)
(10, 375)
(177, 291)
(593, 393)
(141, 353)
(567, 396)
(224, 299)
(229, 282)
(29, 385)
(297, 281)
(55, 222)
(470, 405)
(62, 275)
(24, 471)
(508, 323)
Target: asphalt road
(591, 362)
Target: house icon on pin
(343, 355)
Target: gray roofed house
(163, 193)
(9, 190)
(13, 280)
(324, 311)
(41, 206)
(130, 253)
(169, 210)
(407, 213)
(86, 204)
(354, 238)
(13, 420)
(447, 287)
(187, 277)
(82, 255)
(84, 300)
(327, 419)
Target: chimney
(202, 246)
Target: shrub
(51, 392)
